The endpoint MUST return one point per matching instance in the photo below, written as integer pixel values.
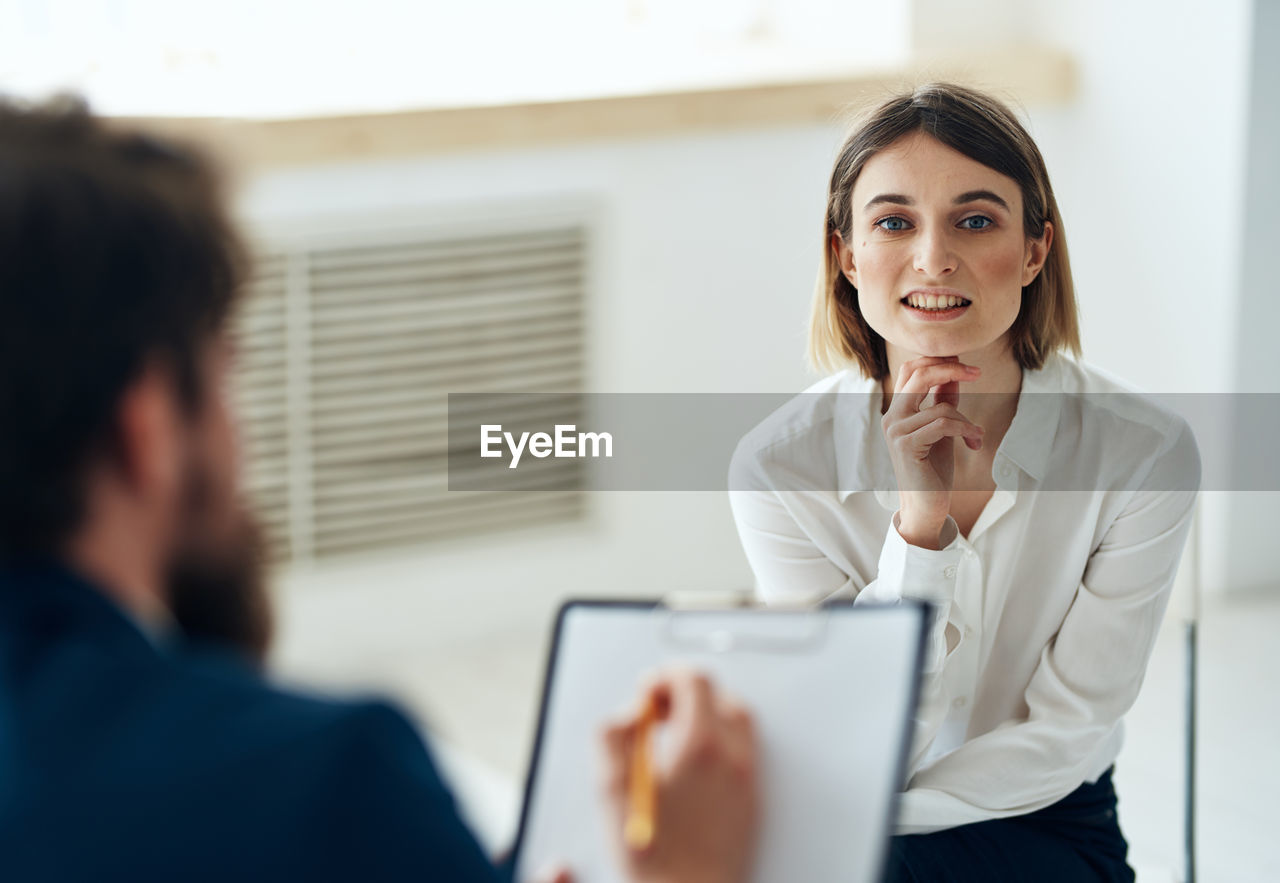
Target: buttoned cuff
(908, 571)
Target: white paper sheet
(831, 690)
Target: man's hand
(707, 798)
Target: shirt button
(1006, 470)
(949, 571)
(968, 631)
(958, 702)
(969, 553)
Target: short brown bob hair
(985, 130)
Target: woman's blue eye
(986, 222)
(893, 225)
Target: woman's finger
(948, 393)
(900, 428)
(930, 434)
(929, 376)
(917, 387)
(910, 367)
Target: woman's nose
(934, 256)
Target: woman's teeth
(935, 302)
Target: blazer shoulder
(369, 795)
(236, 698)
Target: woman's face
(937, 250)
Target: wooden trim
(1027, 75)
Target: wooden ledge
(1028, 75)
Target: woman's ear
(844, 255)
(1037, 252)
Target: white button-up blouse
(1045, 614)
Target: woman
(962, 458)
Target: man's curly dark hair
(115, 248)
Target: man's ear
(1037, 252)
(844, 255)
(149, 433)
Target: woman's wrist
(923, 532)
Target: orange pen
(642, 790)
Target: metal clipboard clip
(730, 628)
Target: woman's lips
(936, 315)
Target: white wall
(1146, 165)
(1258, 356)
(706, 259)
(1148, 168)
(1253, 557)
(704, 266)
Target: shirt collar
(1030, 436)
(862, 455)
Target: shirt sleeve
(791, 568)
(1088, 675)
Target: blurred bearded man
(138, 738)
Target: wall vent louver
(348, 348)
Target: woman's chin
(934, 345)
(946, 343)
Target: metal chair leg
(1189, 810)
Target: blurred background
(626, 196)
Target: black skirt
(1076, 840)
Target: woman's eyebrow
(976, 195)
(892, 198)
(967, 196)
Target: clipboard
(832, 690)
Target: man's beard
(216, 577)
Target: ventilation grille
(348, 354)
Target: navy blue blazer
(124, 760)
